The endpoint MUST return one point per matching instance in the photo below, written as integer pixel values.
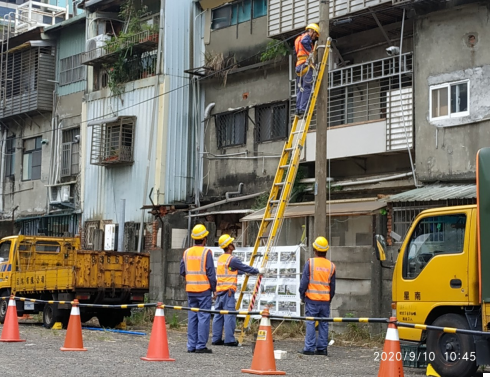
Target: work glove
(262, 270)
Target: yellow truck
(442, 278)
(50, 268)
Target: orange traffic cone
(10, 332)
(158, 347)
(74, 340)
(263, 362)
(391, 357)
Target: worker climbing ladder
(281, 189)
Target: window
(71, 70)
(70, 152)
(10, 157)
(31, 164)
(231, 128)
(113, 142)
(433, 236)
(4, 251)
(240, 11)
(449, 100)
(271, 121)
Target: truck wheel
(3, 310)
(451, 355)
(51, 315)
(110, 318)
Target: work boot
(232, 344)
(204, 350)
(321, 352)
(219, 343)
(308, 353)
(191, 351)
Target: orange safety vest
(226, 279)
(195, 269)
(301, 53)
(321, 271)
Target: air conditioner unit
(93, 44)
(65, 194)
(110, 237)
(54, 195)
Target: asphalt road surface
(114, 354)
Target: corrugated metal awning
(435, 192)
(223, 212)
(333, 209)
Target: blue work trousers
(317, 309)
(224, 302)
(303, 88)
(198, 323)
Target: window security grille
(113, 143)
(231, 128)
(71, 70)
(70, 152)
(271, 121)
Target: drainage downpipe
(354, 183)
(2, 168)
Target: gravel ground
(109, 354)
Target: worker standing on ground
(197, 267)
(317, 289)
(304, 45)
(227, 272)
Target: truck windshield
(433, 236)
(4, 251)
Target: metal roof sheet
(333, 209)
(436, 192)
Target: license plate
(28, 305)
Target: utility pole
(320, 227)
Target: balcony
(367, 108)
(100, 51)
(27, 81)
(33, 14)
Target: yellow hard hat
(321, 244)
(199, 232)
(225, 240)
(314, 27)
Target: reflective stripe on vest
(321, 271)
(226, 279)
(195, 269)
(301, 53)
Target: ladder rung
(279, 184)
(274, 201)
(288, 149)
(297, 132)
(284, 166)
(270, 219)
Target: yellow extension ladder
(281, 189)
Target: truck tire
(110, 318)
(452, 355)
(3, 310)
(51, 315)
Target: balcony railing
(108, 51)
(368, 98)
(33, 14)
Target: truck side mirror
(381, 251)
(380, 248)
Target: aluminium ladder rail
(282, 188)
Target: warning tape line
(449, 330)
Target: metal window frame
(30, 151)
(448, 86)
(271, 105)
(218, 127)
(10, 156)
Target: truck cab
(436, 282)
